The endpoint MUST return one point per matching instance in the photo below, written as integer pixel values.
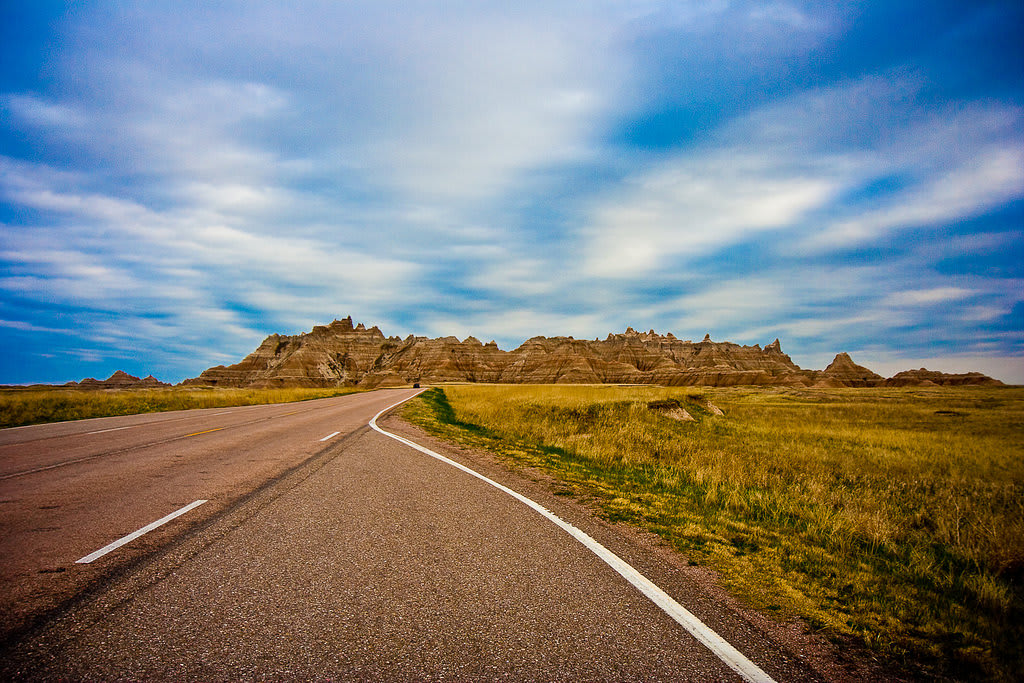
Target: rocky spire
(343, 325)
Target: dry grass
(889, 517)
(32, 406)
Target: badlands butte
(343, 354)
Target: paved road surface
(350, 558)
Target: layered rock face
(341, 354)
(843, 372)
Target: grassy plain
(32, 406)
(892, 518)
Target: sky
(179, 180)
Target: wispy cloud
(691, 206)
(28, 327)
(781, 169)
(991, 178)
(936, 295)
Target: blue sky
(179, 180)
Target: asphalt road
(324, 551)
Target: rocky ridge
(928, 378)
(119, 380)
(343, 354)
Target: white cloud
(936, 295)
(195, 265)
(987, 180)
(691, 206)
(235, 197)
(477, 108)
(198, 129)
(844, 308)
(732, 303)
(513, 276)
(29, 327)
(38, 112)
(781, 170)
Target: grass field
(32, 406)
(890, 518)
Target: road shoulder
(796, 653)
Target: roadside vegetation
(32, 406)
(889, 518)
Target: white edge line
(330, 436)
(135, 534)
(714, 642)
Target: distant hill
(119, 380)
(343, 354)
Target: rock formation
(843, 372)
(932, 378)
(119, 380)
(341, 354)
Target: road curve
(354, 558)
(721, 648)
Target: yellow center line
(206, 432)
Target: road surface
(309, 547)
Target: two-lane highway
(327, 551)
(69, 489)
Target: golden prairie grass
(889, 517)
(32, 406)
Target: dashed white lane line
(330, 436)
(732, 657)
(115, 429)
(141, 532)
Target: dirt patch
(672, 408)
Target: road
(324, 550)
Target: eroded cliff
(343, 354)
